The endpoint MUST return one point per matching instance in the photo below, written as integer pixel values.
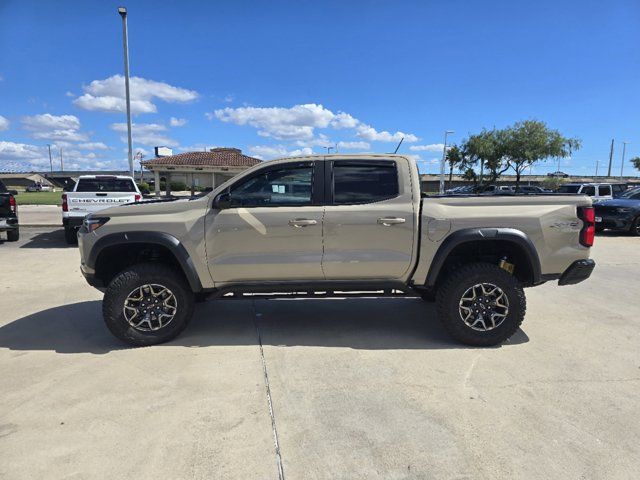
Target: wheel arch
(467, 243)
(114, 252)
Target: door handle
(388, 221)
(302, 222)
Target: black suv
(622, 213)
(9, 213)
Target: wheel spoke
(483, 306)
(150, 307)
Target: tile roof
(216, 157)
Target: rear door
(95, 194)
(272, 230)
(369, 220)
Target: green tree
(454, 159)
(529, 141)
(635, 161)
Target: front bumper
(577, 272)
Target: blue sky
(278, 78)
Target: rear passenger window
(591, 191)
(604, 190)
(364, 182)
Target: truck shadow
(52, 239)
(368, 324)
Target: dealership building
(200, 169)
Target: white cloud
(354, 145)
(108, 95)
(20, 151)
(70, 94)
(54, 127)
(229, 98)
(92, 146)
(371, 134)
(149, 134)
(276, 151)
(4, 123)
(177, 122)
(299, 123)
(433, 147)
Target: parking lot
(360, 388)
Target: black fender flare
(466, 235)
(158, 238)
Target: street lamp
(624, 149)
(125, 44)
(50, 160)
(444, 158)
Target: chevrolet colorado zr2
(334, 225)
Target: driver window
(287, 186)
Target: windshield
(632, 193)
(105, 185)
(569, 189)
(3, 189)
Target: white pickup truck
(93, 193)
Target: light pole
(125, 44)
(624, 149)
(50, 161)
(444, 158)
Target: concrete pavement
(361, 388)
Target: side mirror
(222, 201)
(13, 192)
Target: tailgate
(84, 203)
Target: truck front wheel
(147, 304)
(481, 304)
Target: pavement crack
(274, 428)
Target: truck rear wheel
(70, 235)
(13, 235)
(147, 304)
(481, 304)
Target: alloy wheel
(150, 307)
(483, 307)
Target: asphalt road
(360, 388)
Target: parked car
(93, 193)
(319, 225)
(558, 174)
(597, 191)
(621, 213)
(498, 189)
(39, 187)
(529, 189)
(9, 213)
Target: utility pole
(50, 161)
(597, 164)
(444, 159)
(624, 149)
(125, 44)
(61, 162)
(610, 158)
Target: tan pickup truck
(334, 225)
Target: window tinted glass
(634, 194)
(286, 186)
(105, 185)
(604, 190)
(353, 183)
(2, 187)
(587, 190)
(569, 189)
(618, 188)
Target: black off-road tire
(453, 288)
(70, 235)
(135, 276)
(13, 235)
(635, 227)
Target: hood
(618, 202)
(154, 207)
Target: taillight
(65, 206)
(588, 232)
(138, 197)
(12, 204)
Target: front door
(369, 221)
(272, 230)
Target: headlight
(92, 224)
(623, 210)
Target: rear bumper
(577, 272)
(8, 223)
